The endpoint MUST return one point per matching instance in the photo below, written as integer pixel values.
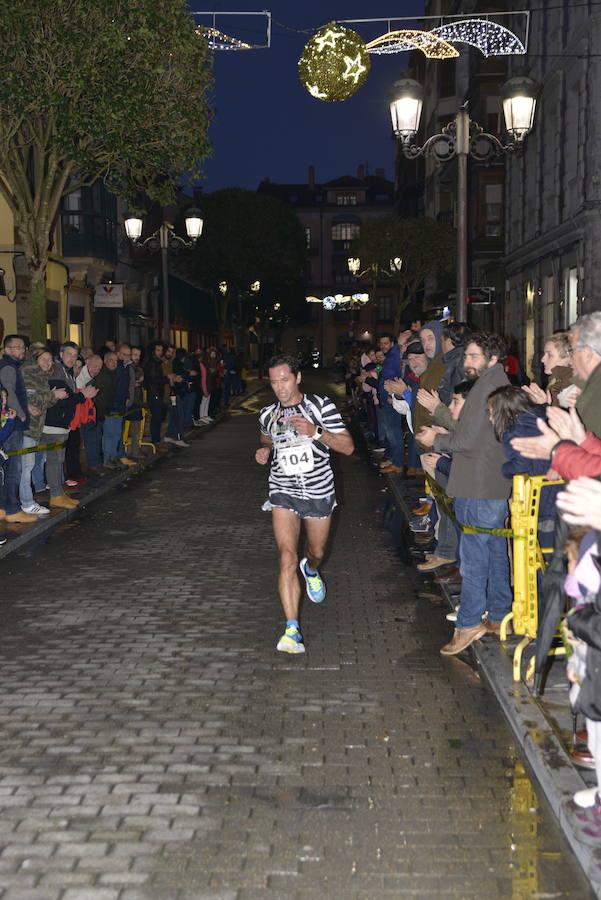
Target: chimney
(380, 173)
(361, 172)
(311, 178)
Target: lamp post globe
(194, 222)
(519, 105)
(406, 102)
(133, 226)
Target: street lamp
(165, 238)
(462, 138)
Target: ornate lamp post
(462, 138)
(164, 238)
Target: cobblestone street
(155, 745)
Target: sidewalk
(21, 536)
(542, 725)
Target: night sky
(266, 123)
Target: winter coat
(478, 456)
(588, 405)
(11, 380)
(561, 377)
(391, 368)
(525, 425)
(453, 375)
(39, 394)
(430, 381)
(154, 377)
(105, 381)
(573, 460)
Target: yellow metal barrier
(528, 558)
(141, 442)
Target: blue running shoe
(291, 641)
(316, 589)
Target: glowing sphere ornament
(334, 63)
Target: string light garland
(489, 37)
(334, 63)
(217, 40)
(432, 45)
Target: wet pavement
(156, 746)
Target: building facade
(534, 232)
(553, 191)
(331, 214)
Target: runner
(301, 429)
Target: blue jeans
(11, 475)
(112, 443)
(27, 464)
(393, 429)
(175, 421)
(484, 563)
(92, 442)
(189, 404)
(38, 474)
(448, 533)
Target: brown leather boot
(20, 518)
(462, 638)
(63, 502)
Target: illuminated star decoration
(432, 45)
(327, 39)
(217, 40)
(334, 63)
(354, 68)
(489, 37)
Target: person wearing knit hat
(431, 338)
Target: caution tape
(444, 501)
(56, 445)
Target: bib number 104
(296, 460)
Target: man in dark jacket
(155, 382)
(112, 436)
(481, 492)
(12, 382)
(393, 425)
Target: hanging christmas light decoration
(431, 45)
(217, 40)
(489, 37)
(334, 63)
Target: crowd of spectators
(454, 406)
(73, 414)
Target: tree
(425, 246)
(103, 88)
(247, 238)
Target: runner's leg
(317, 537)
(286, 528)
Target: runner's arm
(340, 441)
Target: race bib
(297, 459)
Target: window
(493, 224)
(340, 270)
(345, 231)
(346, 199)
(386, 308)
(571, 296)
